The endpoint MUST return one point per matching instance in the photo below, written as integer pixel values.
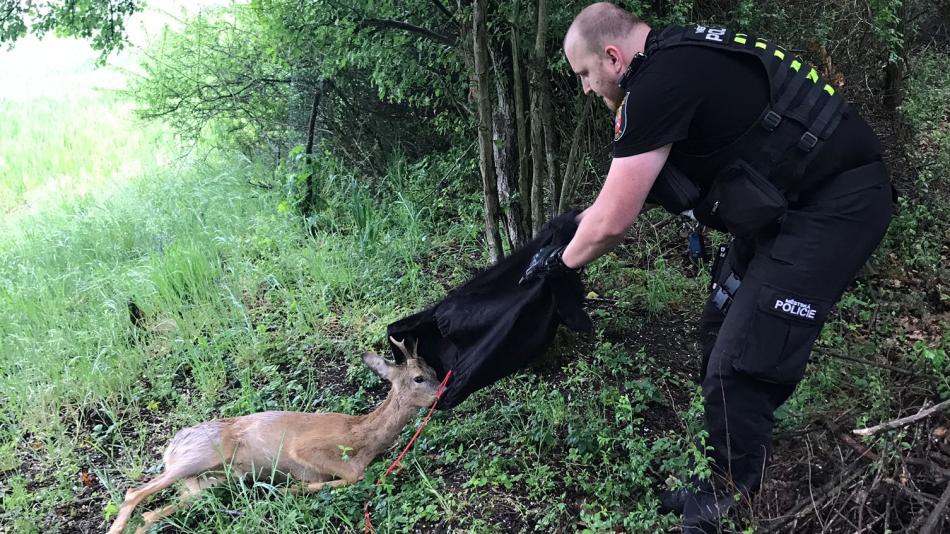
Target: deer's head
(414, 381)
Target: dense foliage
(100, 21)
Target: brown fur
(322, 449)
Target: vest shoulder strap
(798, 91)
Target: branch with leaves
(381, 24)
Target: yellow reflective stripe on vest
(779, 54)
(812, 75)
(796, 65)
(829, 89)
(740, 38)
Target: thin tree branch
(400, 25)
(445, 11)
(934, 519)
(838, 355)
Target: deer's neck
(382, 426)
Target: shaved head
(600, 24)
(599, 46)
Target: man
(752, 141)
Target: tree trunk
(312, 123)
(504, 151)
(537, 159)
(521, 119)
(893, 84)
(896, 67)
(310, 196)
(537, 125)
(484, 131)
(571, 170)
(550, 140)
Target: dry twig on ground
(903, 421)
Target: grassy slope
(245, 313)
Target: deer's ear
(379, 366)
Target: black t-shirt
(701, 99)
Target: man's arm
(620, 200)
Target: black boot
(673, 501)
(703, 511)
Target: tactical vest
(762, 167)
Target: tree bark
(521, 119)
(537, 160)
(537, 125)
(504, 151)
(310, 197)
(571, 170)
(484, 131)
(550, 138)
(896, 67)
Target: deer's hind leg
(134, 496)
(193, 486)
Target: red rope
(438, 395)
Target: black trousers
(756, 352)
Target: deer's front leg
(317, 486)
(312, 487)
(341, 471)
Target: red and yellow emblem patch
(620, 120)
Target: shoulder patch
(620, 120)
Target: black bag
(743, 201)
(491, 327)
(673, 190)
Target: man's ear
(381, 367)
(615, 56)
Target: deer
(317, 450)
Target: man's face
(599, 72)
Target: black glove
(545, 262)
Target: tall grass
(97, 213)
(54, 148)
(235, 282)
(241, 306)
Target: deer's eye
(419, 379)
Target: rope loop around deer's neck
(438, 395)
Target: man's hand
(619, 202)
(546, 262)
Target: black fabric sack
(490, 327)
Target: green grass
(246, 311)
(51, 148)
